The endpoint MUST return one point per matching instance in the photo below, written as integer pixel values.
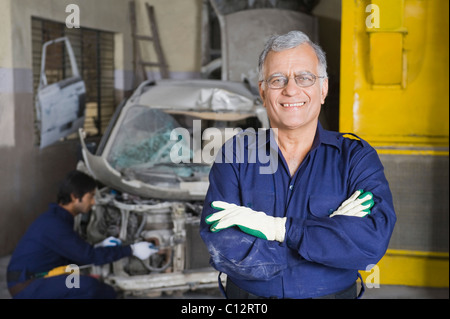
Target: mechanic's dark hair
(76, 183)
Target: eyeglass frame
(315, 77)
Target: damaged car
(154, 159)
(153, 165)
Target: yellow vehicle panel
(395, 94)
(394, 71)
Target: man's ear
(324, 92)
(262, 93)
(73, 198)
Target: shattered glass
(142, 146)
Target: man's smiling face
(293, 107)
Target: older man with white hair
(324, 213)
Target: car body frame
(152, 189)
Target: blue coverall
(320, 255)
(51, 241)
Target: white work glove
(257, 224)
(109, 242)
(357, 205)
(143, 249)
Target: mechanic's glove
(257, 224)
(143, 249)
(358, 205)
(109, 242)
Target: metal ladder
(139, 65)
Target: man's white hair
(288, 41)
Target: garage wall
(29, 176)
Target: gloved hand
(143, 249)
(358, 205)
(255, 223)
(109, 242)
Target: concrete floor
(384, 292)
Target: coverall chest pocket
(323, 205)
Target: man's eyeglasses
(280, 81)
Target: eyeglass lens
(281, 81)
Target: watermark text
(73, 19)
(217, 145)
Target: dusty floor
(383, 292)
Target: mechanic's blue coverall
(320, 255)
(49, 242)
